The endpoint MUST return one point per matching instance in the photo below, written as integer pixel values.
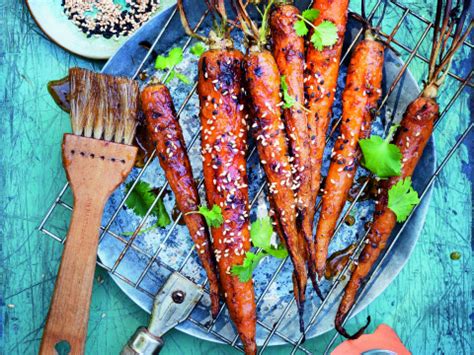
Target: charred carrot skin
(321, 73)
(223, 139)
(164, 132)
(359, 102)
(288, 51)
(412, 135)
(263, 88)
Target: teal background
(429, 304)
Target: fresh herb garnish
(198, 49)
(324, 35)
(261, 233)
(288, 100)
(213, 216)
(380, 156)
(174, 57)
(141, 199)
(402, 198)
(307, 15)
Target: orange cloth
(384, 338)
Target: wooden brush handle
(94, 168)
(69, 311)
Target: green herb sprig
(402, 198)
(213, 216)
(324, 34)
(141, 199)
(261, 232)
(169, 62)
(381, 157)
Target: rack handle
(143, 342)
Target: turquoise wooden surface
(429, 304)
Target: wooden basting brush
(97, 158)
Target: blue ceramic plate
(175, 250)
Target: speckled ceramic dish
(175, 250)
(50, 17)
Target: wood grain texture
(86, 161)
(429, 304)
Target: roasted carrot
(411, 138)
(413, 134)
(321, 73)
(288, 51)
(359, 101)
(164, 132)
(223, 139)
(263, 89)
(263, 85)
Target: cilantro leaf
(213, 216)
(381, 157)
(300, 28)
(288, 100)
(324, 35)
(261, 232)
(402, 198)
(244, 272)
(140, 200)
(310, 14)
(328, 32)
(183, 78)
(317, 41)
(174, 57)
(163, 216)
(198, 49)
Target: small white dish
(50, 17)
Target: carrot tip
(341, 330)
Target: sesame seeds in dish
(109, 18)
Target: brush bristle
(103, 106)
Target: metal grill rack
(273, 329)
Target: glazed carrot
(223, 138)
(411, 138)
(288, 51)
(321, 73)
(413, 134)
(263, 90)
(359, 102)
(164, 132)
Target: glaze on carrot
(288, 51)
(413, 134)
(165, 133)
(411, 138)
(224, 130)
(321, 74)
(224, 146)
(359, 103)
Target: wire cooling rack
(411, 51)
